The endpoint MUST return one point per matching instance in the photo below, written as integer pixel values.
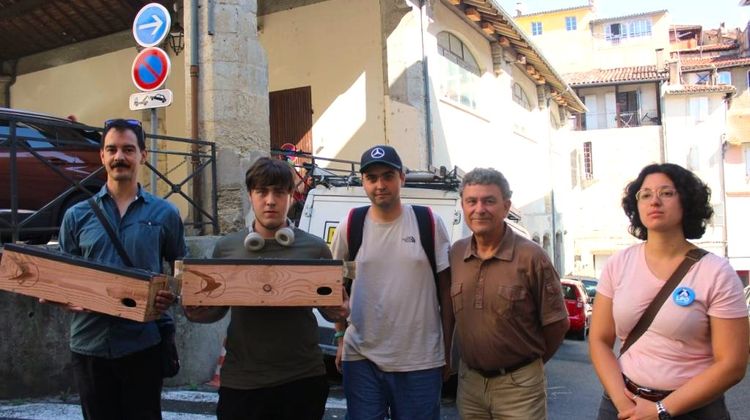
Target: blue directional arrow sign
(151, 25)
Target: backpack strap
(426, 224)
(354, 228)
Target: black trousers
(715, 410)
(120, 389)
(304, 399)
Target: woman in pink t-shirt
(696, 348)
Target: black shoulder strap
(426, 224)
(108, 227)
(653, 308)
(355, 226)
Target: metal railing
(623, 119)
(67, 155)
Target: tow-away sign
(148, 100)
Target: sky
(708, 13)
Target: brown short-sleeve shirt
(502, 303)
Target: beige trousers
(520, 395)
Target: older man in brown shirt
(509, 308)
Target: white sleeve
(442, 244)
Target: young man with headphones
(273, 368)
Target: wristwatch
(663, 413)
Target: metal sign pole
(152, 155)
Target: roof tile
(708, 63)
(689, 89)
(615, 76)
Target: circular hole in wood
(130, 303)
(324, 291)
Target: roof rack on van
(345, 173)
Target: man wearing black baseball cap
(392, 354)
(385, 155)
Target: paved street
(573, 391)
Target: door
(593, 115)
(610, 106)
(291, 118)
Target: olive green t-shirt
(270, 346)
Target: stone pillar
(405, 111)
(233, 97)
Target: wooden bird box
(261, 282)
(57, 277)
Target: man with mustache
(396, 348)
(117, 362)
(509, 308)
(274, 368)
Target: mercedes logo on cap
(377, 153)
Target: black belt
(502, 371)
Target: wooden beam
(488, 28)
(215, 282)
(504, 42)
(473, 14)
(530, 69)
(455, 2)
(21, 8)
(57, 277)
(508, 33)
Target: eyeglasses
(664, 193)
(130, 122)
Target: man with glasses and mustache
(117, 362)
(509, 308)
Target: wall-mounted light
(176, 38)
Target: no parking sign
(150, 69)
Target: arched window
(459, 78)
(520, 97)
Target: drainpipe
(663, 140)
(556, 262)
(195, 149)
(426, 86)
(722, 183)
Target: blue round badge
(683, 296)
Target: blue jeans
(370, 392)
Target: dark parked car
(52, 154)
(577, 304)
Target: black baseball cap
(382, 154)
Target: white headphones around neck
(255, 242)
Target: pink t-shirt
(677, 345)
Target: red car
(577, 304)
(52, 153)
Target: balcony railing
(623, 119)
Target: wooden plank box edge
(69, 283)
(261, 282)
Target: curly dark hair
(695, 198)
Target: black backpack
(425, 222)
